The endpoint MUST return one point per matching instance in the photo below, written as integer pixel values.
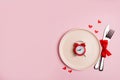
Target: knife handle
(97, 64)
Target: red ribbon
(104, 52)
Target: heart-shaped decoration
(99, 21)
(64, 68)
(96, 31)
(90, 26)
(70, 71)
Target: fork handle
(101, 64)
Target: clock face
(80, 50)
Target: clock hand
(79, 50)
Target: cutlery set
(107, 35)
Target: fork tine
(110, 34)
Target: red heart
(96, 31)
(69, 71)
(90, 26)
(99, 21)
(64, 68)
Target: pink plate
(91, 54)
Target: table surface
(30, 31)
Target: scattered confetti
(64, 68)
(70, 71)
(90, 26)
(96, 31)
(99, 21)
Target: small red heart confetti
(96, 31)
(70, 71)
(64, 68)
(90, 26)
(99, 21)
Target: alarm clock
(79, 48)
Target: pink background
(30, 31)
